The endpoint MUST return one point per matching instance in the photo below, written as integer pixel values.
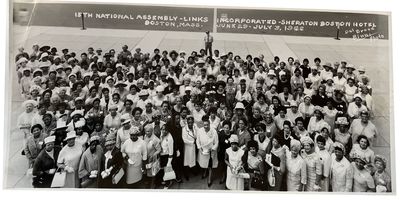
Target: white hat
(239, 105)
(35, 87)
(49, 139)
(43, 55)
(87, 74)
(314, 67)
(293, 103)
(59, 67)
(182, 51)
(72, 74)
(125, 116)
(271, 72)
(77, 112)
(33, 102)
(308, 80)
(26, 69)
(281, 73)
(71, 59)
(188, 88)
(143, 93)
(119, 65)
(357, 96)
(70, 135)
(79, 124)
(200, 61)
(37, 70)
(21, 60)
(350, 66)
(110, 78)
(159, 88)
(112, 106)
(340, 71)
(361, 69)
(233, 138)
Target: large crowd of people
(133, 119)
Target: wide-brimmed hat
(25, 103)
(21, 60)
(120, 83)
(143, 93)
(271, 73)
(239, 105)
(159, 88)
(342, 121)
(49, 139)
(77, 112)
(327, 64)
(110, 139)
(234, 138)
(306, 140)
(70, 135)
(340, 146)
(350, 66)
(79, 124)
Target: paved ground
(374, 55)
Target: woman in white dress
(135, 152)
(24, 121)
(296, 177)
(69, 159)
(207, 144)
(233, 159)
(153, 151)
(189, 135)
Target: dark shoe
(203, 176)
(23, 152)
(179, 180)
(209, 184)
(221, 181)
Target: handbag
(169, 174)
(59, 179)
(271, 177)
(118, 176)
(257, 182)
(155, 167)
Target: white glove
(169, 162)
(130, 161)
(317, 188)
(104, 174)
(69, 169)
(52, 171)
(178, 153)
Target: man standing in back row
(208, 40)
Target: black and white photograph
(156, 97)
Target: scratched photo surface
(129, 96)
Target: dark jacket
(117, 161)
(41, 179)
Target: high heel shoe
(209, 184)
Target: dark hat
(44, 48)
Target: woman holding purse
(189, 135)
(68, 160)
(135, 152)
(207, 143)
(166, 155)
(153, 150)
(45, 164)
(34, 144)
(233, 159)
(112, 163)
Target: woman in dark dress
(111, 162)
(45, 164)
(223, 139)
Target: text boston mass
(151, 20)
